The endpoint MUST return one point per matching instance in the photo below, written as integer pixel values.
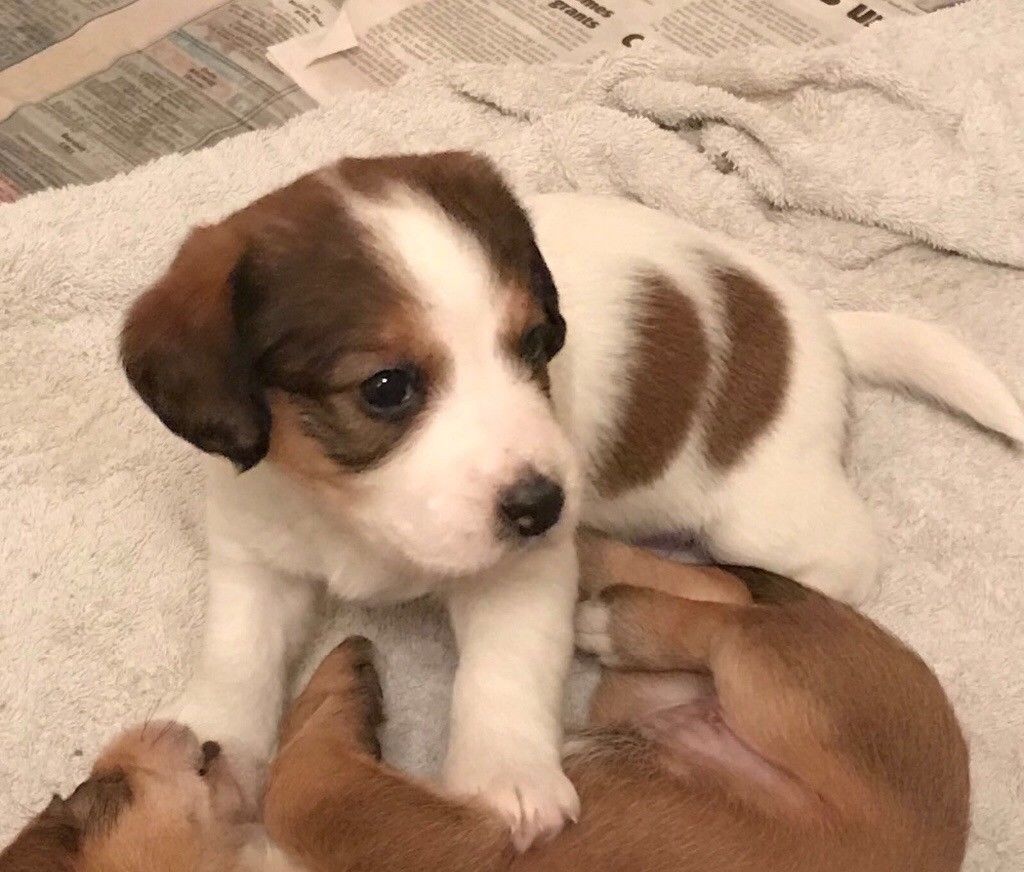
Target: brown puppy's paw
(369, 688)
(345, 689)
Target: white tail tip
(903, 352)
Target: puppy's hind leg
(759, 731)
(623, 696)
(805, 523)
(816, 707)
(605, 562)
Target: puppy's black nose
(532, 505)
(210, 752)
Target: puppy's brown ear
(97, 802)
(48, 844)
(51, 842)
(182, 351)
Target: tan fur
(666, 380)
(291, 448)
(144, 808)
(622, 693)
(605, 562)
(844, 800)
(859, 763)
(522, 312)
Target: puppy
(378, 347)
(744, 723)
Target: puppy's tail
(902, 352)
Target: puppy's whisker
(162, 734)
(151, 715)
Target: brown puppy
(745, 724)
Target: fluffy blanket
(883, 173)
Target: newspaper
(92, 88)
(139, 80)
(359, 51)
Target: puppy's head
(157, 801)
(381, 330)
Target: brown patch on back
(753, 387)
(665, 381)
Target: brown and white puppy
(376, 344)
(747, 725)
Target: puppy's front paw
(535, 801)
(593, 630)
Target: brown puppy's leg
(345, 690)
(606, 562)
(817, 692)
(640, 628)
(333, 806)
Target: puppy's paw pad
(593, 630)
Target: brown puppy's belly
(694, 739)
(678, 719)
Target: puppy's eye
(534, 347)
(391, 393)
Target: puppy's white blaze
(436, 497)
(448, 270)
